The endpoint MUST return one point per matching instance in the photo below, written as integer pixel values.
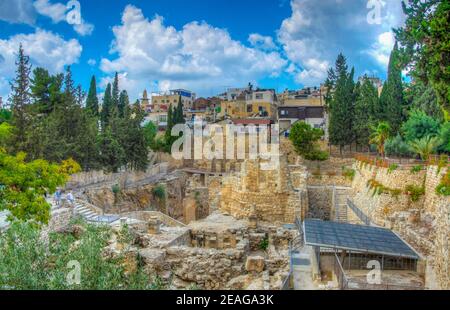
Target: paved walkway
(303, 269)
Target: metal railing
(346, 283)
(363, 217)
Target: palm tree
(424, 147)
(379, 136)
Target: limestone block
(255, 264)
(151, 256)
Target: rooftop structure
(358, 238)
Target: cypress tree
(341, 103)
(20, 99)
(115, 91)
(124, 103)
(106, 106)
(364, 115)
(92, 99)
(391, 99)
(40, 90)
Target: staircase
(86, 211)
(340, 204)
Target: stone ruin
(218, 252)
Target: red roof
(251, 121)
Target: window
(249, 108)
(283, 112)
(259, 96)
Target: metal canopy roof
(359, 238)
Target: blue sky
(202, 45)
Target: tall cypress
(106, 106)
(92, 99)
(124, 103)
(364, 115)
(21, 98)
(391, 100)
(115, 91)
(341, 103)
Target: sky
(202, 45)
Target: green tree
(444, 135)
(92, 99)
(150, 132)
(392, 105)
(40, 90)
(419, 125)
(112, 154)
(365, 111)
(425, 41)
(397, 147)
(24, 185)
(425, 146)
(304, 138)
(107, 106)
(423, 97)
(379, 135)
(115, 91)
(21, 99)
(124, 103)
(341, 103)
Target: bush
(264, 244)
(30, 262)
(348, 173)
(304, 139)
(416, 169)
(159, 192)
(415, 192)
(420, 125)
(443, 188)
(397, 147)
(444, 136)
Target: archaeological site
(305, 226)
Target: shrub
(419, 125)
(304, 139)
(425, 147)
(416, 169)
(348, 173)
(397, 147)
(159, 192)
(30, 262)
(415, 192)
(264, 244)
(443, 188)
(392, 168)
(444, 136)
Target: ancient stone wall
(424, 223)
(267, 194)
(320, 202)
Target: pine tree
(341, 103)
(92, 99)
(106, 106)
(364, 116)
(124, 102)
(115, 91)
(20, 99)
(40, 90)
(391, 100)
(179, 115)
(112, 154)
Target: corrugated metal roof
(359, 238)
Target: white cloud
(199, 57)
(45, 49)
(57, 11)
(92, 62)
(262, 42)
(25, 11)
(84, 28)
(17, 11)
(381, 50)
(317, 31)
